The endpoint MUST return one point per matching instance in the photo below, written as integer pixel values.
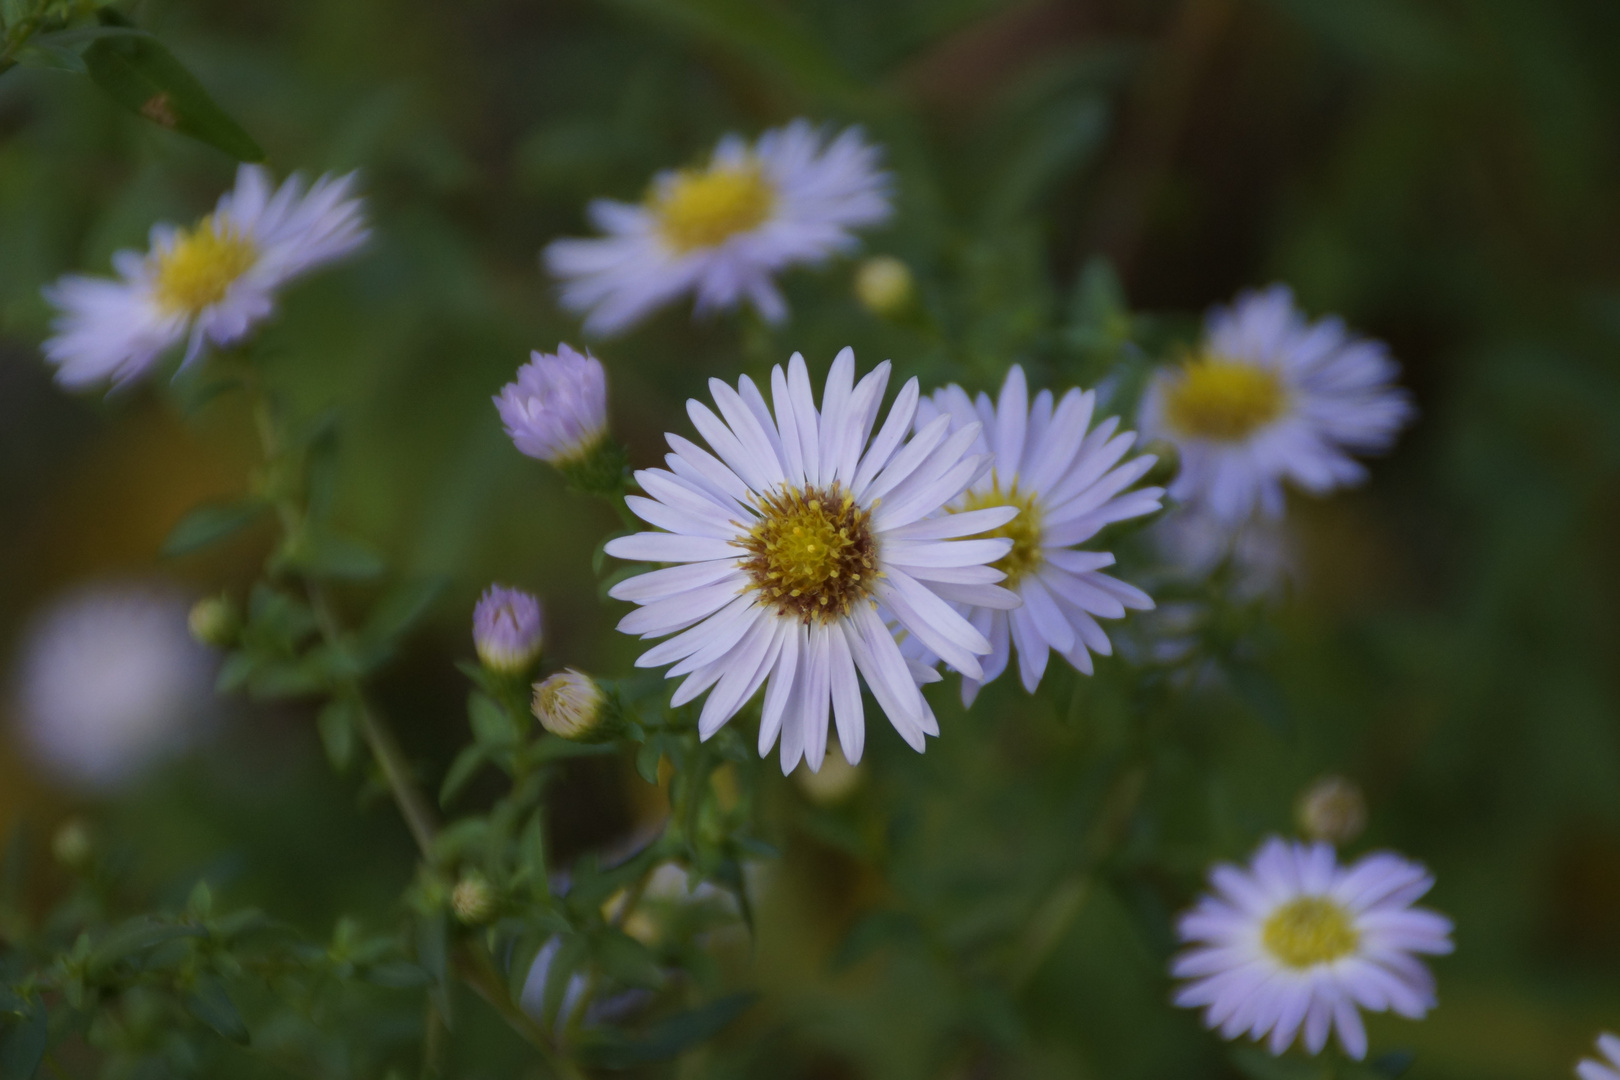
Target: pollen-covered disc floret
(1606, 1069)
(1297, 944)
(1064, 480)
(795, 542)
(813, 556)
(213, 282)
(1270, 397)
(722, 232)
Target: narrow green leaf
(399, 975)
(142, 75)
(329, 555)
(626, 959)
(211, 523)
(433, 954)
(23, 1046)
(463, 769)
(136, 935)
(647, 759)
(337, 724)
(491, 725)
(401, 607)
(209, 1002)
(669, 1038)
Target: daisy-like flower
(1296, 941)
(789, 536)
(1066, 481)
(722, 232)
(1609, 1068)
(1269, 397)
(213, 282)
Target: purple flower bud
(506, 629)
(557, 408)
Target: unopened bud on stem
(1332, 809)
(506, 630)
(473, 900)
(571, 705)
(215, 621)
(884, 286)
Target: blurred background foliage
(1445, 175)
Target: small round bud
(506, 630)
(73, 844)
(216, 621)
(557, 409)
(884, 285)
(570, 704)
(1331, 809)
(473, 900)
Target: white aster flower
(1067, 483)
(110, 682)
(1608, 1069)
(1296, 941)
(557, 409)
(210, 283)
(1272, 397)
(789, 536)
(1260, 553)
(723, 232)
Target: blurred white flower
(109, 681)
(557, 409)
(211, 283)
(1295, 942)
(1065, 479)
(788, 536)
(1609, 1068)
(1271, 397)
(1260, 552)
(723, 232)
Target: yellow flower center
(703, 208)
(198, 270)
(1024, 530)
(1310, 930)
(1222, 399)
(811, 554)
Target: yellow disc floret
(1310, 930)
(703, 208)
(1024, 530)
(197, 271)
(811, 553)
(1222, 399)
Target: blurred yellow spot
(199, 269)
(884, 286)
(703, 208)
(724, 781)
(1024, 530)
(1310, 930)
(1221, 399)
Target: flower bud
(557, 409)
(215, 620)
(72, 844)
(473, 900)
(570, 704)
(884, 286)
(1331, 809)
(506, 630)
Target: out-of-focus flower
(1066, 482)
(1332, 809)
(506, 630)
(571, 705)
(109, 681)
(473, 900)
(836, 781)
(1270, 397)
(723, 232)
(1607, 1069)
(788, 540)
(1297, 943)
(884, 285)
(1259, 553)
(557, 409)
(213, 282)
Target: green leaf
(209, 1002)
(466, 765)
(201, 902)
(491, 725)
(564, 962)
(328, 555)
(400, 975)
(136, 935)
(23, 1046)
(41, 54)
(1259, 1065)
(142, 75)
(647, 759)
(669, 1038)
(337, 724)
(211, 523)
(626, 959)
(433, 954)
(400, 608)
